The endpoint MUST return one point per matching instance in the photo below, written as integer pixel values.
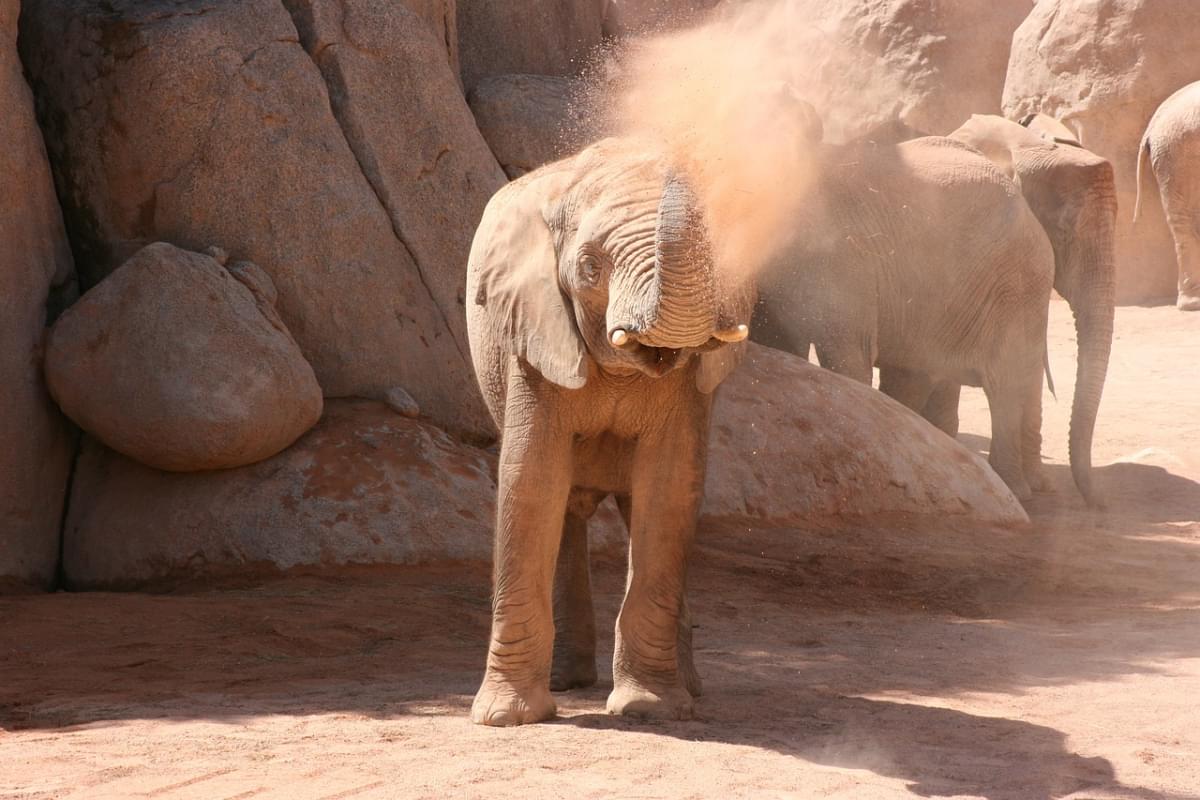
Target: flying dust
(736, 104)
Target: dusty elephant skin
(597, 332)
(1170, 148)
(242, 148)
(176, 362)
(1071, 192)
(35, 267)
(1103, 67)
(923, 259)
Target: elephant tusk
(735, 334)
(620, 338)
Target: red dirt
(882, 660)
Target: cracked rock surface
(35, 266)
(208, 123)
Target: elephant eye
(589, 268)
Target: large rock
(792, 443)
(34, 260)
(642, 17)
(181, 364)
(526, 119)
(202, 123)
(862, 63)
(539, 37)
(1103, 67)
(366, 486)
(405, 118)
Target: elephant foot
(500, 703)
(1037, 480)
(1188, 301)
(634, 700)
(572, 672)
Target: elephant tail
(1049, 377)
(1143, 159)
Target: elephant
(924, 259)
(599, 325)
(1072, 193)
(1171, 145)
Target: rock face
(245, 147)
(365, 486)
(634, 17)
(540, 37)
(34, 263)
(526, 119)
(174, 361)
(928, 63)
(406, 121)
(792, 443)
(1103, 67)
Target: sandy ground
(886, 660)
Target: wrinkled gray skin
(1171, 144)
(605, 245)
(1071, 192)
(921, 258)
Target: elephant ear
(512, 282)
(716, 365)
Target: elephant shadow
(1141, 492)
(938, 752)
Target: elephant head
(604, 258)
(1072, 193)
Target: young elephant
(923, 259)
(1171, 144)
(597, 332)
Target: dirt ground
(890, 659)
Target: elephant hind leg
(574, 661)
(849, 355)
(941, 409)
(1187, 253)
(908, 387)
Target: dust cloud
(732, 103)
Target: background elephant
(597, 333)
(1072, 193)
(924, 259)
(1171, 143)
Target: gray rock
(174, 362)
(35, 273)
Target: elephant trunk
(1091, 300)
(681, 309)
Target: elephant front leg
(683, 643)
(668, 478)
(534, 479)
(574, 620)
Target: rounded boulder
(181, 364)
